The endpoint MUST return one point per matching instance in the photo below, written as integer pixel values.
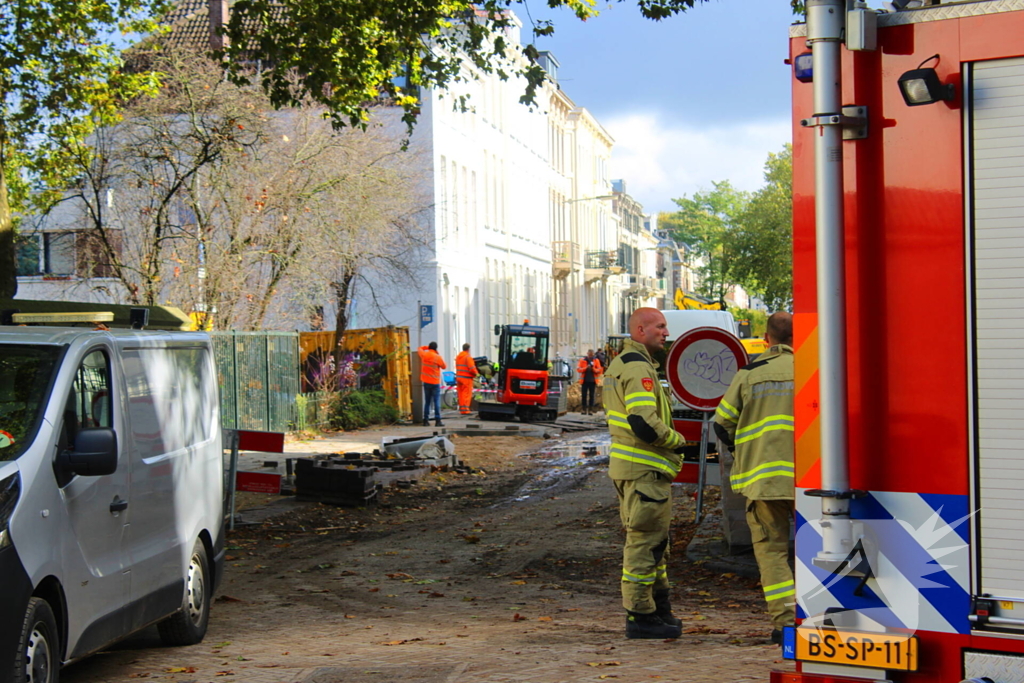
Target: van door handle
(118, 505)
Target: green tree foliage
(349, 53)
(758, 320)
(60, 77)
(763, 243)
(734, 237)
(706, 224)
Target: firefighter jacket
(639, 415)
(432, 365)
(465, 366)
(755, 420)
(592, 364)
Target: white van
(681, 322)
(111, 491)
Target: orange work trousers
(464, 387)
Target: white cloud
(662, 160)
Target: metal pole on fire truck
(825, 27)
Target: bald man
(645, 458)
(755, 421)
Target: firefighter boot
(663, 608)
(649, 626)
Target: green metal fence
(313, 411)
(258, 374)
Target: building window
(64, 254)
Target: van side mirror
(95, 454)
(497, 329)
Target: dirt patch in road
(461, 577)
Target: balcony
(566, 258)
(601, 264)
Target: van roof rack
(77, 313)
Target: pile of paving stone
(356, 479)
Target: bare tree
(206, 199)
(375, 225)
(135, 176)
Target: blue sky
(699, 97)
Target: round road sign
(701, 364)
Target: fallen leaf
(436, 595)
(374, 590)
(517, 583)
(469, 538)
(181, 670)
(603, 676)
(228, 598)
(349, 616)
(393, 642)
(543, 618)
(225, 673)
(614, 663)
(516, 617)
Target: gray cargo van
(111, 491)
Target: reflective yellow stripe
(761, 427)
(644, 394)
(775, 586)
(776, 468)
(638, 455)
(727, 412)
(780, 595)
(637, 578)
(640, 398)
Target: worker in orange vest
(590, 371)
(430, 375)
(465, 371)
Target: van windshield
(26, 373)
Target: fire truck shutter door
(997, 150)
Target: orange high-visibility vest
(465, 366)
(432, 363)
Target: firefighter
(589, 369)
(755, 422)
(465, 371)
(430, 375)
(645, 458)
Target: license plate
(893, 651)
(528, 384)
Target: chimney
(218, 19)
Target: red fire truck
(908, 191)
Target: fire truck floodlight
(922, 86)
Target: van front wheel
(188, 625)
(37, 659)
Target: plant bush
(361, 408)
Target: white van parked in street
(111, 491)
(681, 322)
